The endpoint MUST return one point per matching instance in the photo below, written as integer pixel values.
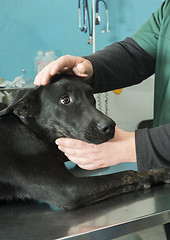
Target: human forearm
(153, 147)
(120, 65)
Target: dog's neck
(41, 133)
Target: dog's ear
(26, 107)
(23, 105)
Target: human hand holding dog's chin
(90, 156)
(65, 64)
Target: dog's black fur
(32, 167)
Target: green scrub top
(154, 38)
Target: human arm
(150, 148)
(65, 64)
(130, 61)
(119, 65)
(153, 147)
(90, 156)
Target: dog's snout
(105, 127)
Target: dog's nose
(105, 127)
(100, 131)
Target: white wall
(133, 105)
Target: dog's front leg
(85, 191)
(69, 192)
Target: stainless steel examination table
(117, 216)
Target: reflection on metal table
(108, 219)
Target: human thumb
(84, 69)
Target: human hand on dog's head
(91, 156)
(65, 64)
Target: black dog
(32, 167)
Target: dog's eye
(65, 100)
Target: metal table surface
(108, 219)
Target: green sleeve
(148, 34)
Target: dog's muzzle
(100, 132)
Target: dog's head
(63, 108)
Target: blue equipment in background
(85, 22)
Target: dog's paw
(167, 181)
(144, 185)
(166, 175)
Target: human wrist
(131, 147)
(125, 145)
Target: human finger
(62, 64)
(84, 69)
(65, 64)
(44, 76)
(71, 143)
(72, 64)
